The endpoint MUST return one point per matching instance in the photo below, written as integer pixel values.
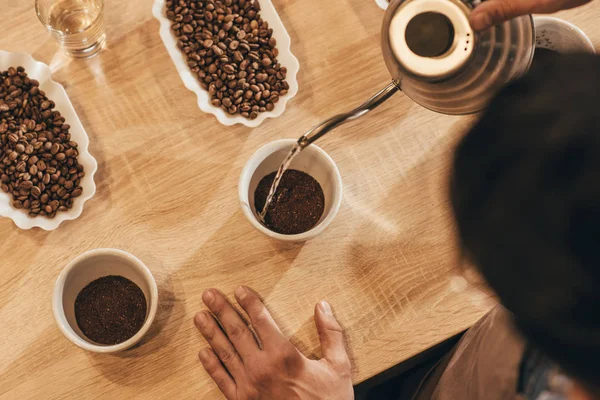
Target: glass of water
(77, 25)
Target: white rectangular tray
(55, 92)
(285, 58)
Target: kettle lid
(432, 38)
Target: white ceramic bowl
(82, 271)
(285, 57)
(383, 4)
(54, 91)
(313, 161)
(561, 36)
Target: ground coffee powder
(110, 310)
(298, 203)
(542, 57)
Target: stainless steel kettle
(437, 60)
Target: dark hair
(525, 190)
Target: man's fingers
(267, 330)
(331, 336)
(217, 372)
(492, 12)
(236, 329)
(222, 347)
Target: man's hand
(492, 12)
(274, 369)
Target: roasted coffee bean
(262, 77)
(35, 148)
(217, 50)
(26, 185)
(230, 49)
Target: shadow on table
(237, 247)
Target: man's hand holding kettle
(492, 12)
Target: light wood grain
(167, 193)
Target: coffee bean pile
(230, 48)
(38, 160)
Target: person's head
(525, 190)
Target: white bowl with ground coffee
(307, 200)
(105, 300)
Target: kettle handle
(340, 119)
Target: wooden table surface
(167, 192)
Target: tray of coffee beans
(234, 54)
(46, 170)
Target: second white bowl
(561, 36)
(87, 268)
(313, 161)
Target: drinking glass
(77, 25)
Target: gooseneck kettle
(438, 61)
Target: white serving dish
(285, 58)
(55, 92)
(383, 4)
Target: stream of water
(282, 168)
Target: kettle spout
(340, 119)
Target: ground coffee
(110, 310)
(298, 203)
(541, 57)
